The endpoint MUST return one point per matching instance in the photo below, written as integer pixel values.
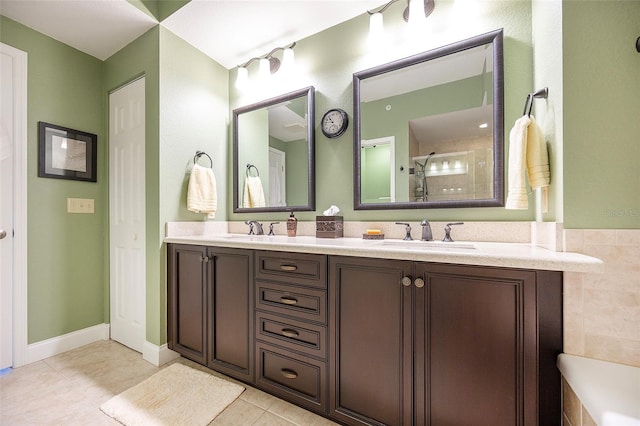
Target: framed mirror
(274, 154)
(429, 129)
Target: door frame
(391, 141)
(19, 283)
(283, 174)
(110, 197)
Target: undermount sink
(427, 245)
(248, 237)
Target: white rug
(176, 395)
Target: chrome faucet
(426, 231)
(251, 223)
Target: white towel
(537, 157)
(202, 196)
(253, 192)
(527, 151)
(517, 195)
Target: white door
(13, 304)
(277, 178)
(6, 213)
(127, 214)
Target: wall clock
(334, 123)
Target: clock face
(334, 123)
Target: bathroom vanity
(370, 333)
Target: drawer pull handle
(287, 332)
(289, 374)
(288, 300)
(288, 268)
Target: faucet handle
(250, 223)
(271, 227)
(407, 228)
(447, 231)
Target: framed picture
(66, 153)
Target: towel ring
(251, 166)
(200, 154)
(528, 104)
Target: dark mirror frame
(495, 38)
(309, 92)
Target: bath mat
(176, 395)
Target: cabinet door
(186, 301)
(370, 341)
(475, 345)
(231, 312)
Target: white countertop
(509, 255)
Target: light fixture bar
(269, 55)
(429, 5)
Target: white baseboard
(158, 355)
(57, 345)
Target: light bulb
(416, 12)
(376, 30)
(242, 78)
(288, 60)
(265, 69)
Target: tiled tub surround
(602, 311)
(602, 324)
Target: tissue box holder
(329, 226)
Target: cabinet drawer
(292, 334)
(295, 268)
(304, 303)
(301, 381)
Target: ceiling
(228, 31)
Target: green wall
(601, 114)
(328, 60)
(66, 271)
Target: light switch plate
(80, 205)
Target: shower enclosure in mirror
(273, 154)
(429, 129)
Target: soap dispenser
(292, 225)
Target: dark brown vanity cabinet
(438, 344)
(210, 307)
(291, 327)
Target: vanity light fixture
(411, 14)
(269, 64)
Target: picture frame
(65, 153)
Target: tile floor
(69, 388)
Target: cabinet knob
(205, 259)
(288, 332)
(419, 282)
(406, 281)
(288, 300)
(289, 374)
